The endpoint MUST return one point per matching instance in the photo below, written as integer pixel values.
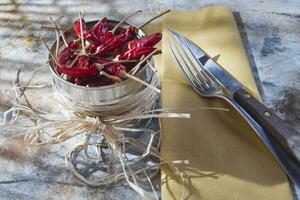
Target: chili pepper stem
(53, 57)
(81, 34)
(57, 37)
(53, 28)
(60, 32)
(138, 66)
(123, 20)
(101, 66)
(74, 61)
(62, 36)
(117, 79)
(118, 61)
(151, 66)
(124, 75)
(152, 19)
(87, 44)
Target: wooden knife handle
(279, 130)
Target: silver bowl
(103, 95)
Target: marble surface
(269, 29)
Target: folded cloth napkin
(227, 159)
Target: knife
(279, 136)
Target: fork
(206, 85)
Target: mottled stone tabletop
(270, 31)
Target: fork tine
(198, 74)
(205, 71)
(201, 76)
(185, 72)
(188, 62)
(188, 68)
(183, 40)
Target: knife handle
(278, 129)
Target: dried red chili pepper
(83, 61)
(113, 43)
(118, 73)
(82, 68)
(100, 60)
(135, 53)
(100, 28)
(114, 69)
(66, 54)
(127, 34)
(147, 41)
(78, 71)
(108, 34)
(77, 31)
(102, 39)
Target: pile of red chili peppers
(100, 56)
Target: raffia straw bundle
(105, 122)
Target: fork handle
(278, 129)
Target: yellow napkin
(228, 160)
